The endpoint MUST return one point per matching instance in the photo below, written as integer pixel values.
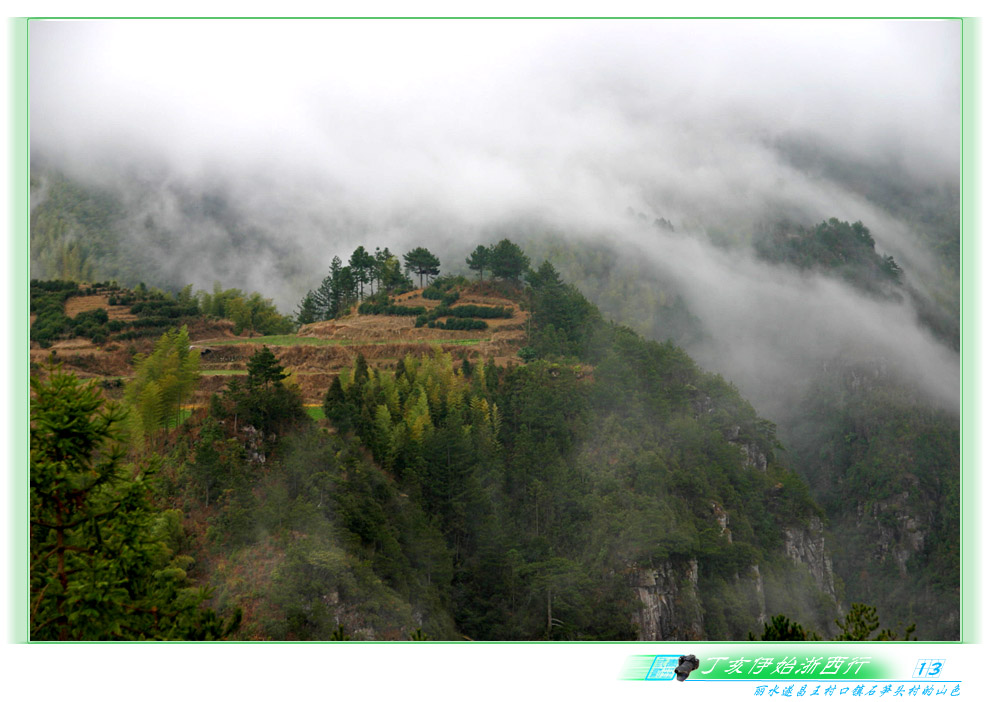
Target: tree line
(367, 274)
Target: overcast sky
(333, 133)
(497, 113)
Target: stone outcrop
(895, 531)
(805, 547)
(671, 609)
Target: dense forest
(456, 499)
(594, 484)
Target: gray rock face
(897, 531)
(752, 457)
(805, 547)
(722, 521)
(756, 575)
(671, 609)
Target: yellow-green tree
(163, 380)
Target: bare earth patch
(85, 303)
(381, 339)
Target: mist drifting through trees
(694, 179)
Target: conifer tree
(479, 260)
(422, 262)
(508, 261)
(308, 310)
(100, 568)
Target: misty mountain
(682, 175)
(848, 413)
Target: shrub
(461, 324)
(482, 312)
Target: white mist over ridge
(772, 329)
(257, 150)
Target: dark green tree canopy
(479, 260)
(263, 400)
(264, 370)
(507, 260)
(101, 567)
(363, 266)
(546, 276)
(842, 248)
(308, 310)
(422, 262)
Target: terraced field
(314, 355)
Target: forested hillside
(850, 414)
(878, 451)
(596, 486)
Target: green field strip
(314, 411)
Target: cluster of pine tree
(550, 489)
(504, 260)
(344, 285)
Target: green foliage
(343, 285)
(527, 353)
(884, 463)
(540, 523)
(385, 307)
(335, 293)
(356, 557)
(249, 312)
(48, 300)
(861, 622)
(308, 311)
(624, 288)
(422, 262)
(845, 249)
(362, 264)
(444, 288)
(217, 462)
(561, 319)
(481, 312)
(165, 308)
(460, 324)
(163, 380)
(507, 261)
(780, 628)
(264, 370)
(73, 232)
(263, 401)
(103, 565)
(387, 273)
(479, 260)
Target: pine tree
(479, 260)
(264, 370)
(309, 311)
(362, 264)
(422, 262)
(507, 260)
(100, 568)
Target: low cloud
(311, 137)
